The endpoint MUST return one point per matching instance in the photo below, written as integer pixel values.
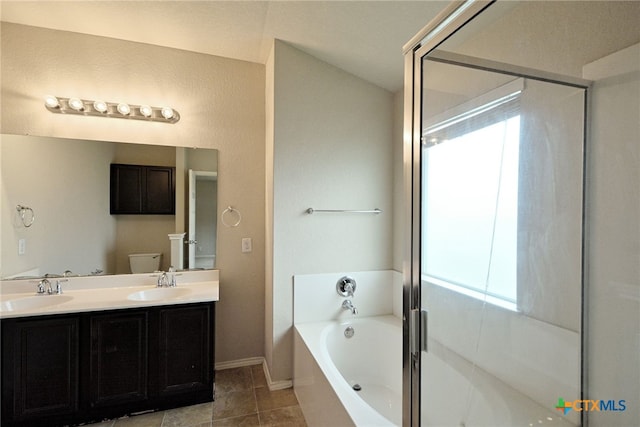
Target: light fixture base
(110, 109)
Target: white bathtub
(327, 365)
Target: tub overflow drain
(357, 387)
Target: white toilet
(145, 263)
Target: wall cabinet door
(39, 368)
(137, 189)
(185, 350)
(159, 190)
(118, 359)
(126, 189)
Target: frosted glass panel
(501, 247)
(471, 209)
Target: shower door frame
(445, 24)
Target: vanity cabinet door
(118, 358)
(39, 369)
(186, 350)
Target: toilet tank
(145, 263)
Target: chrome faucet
(45, 287)
(167, 279)
(59, 286)
(348, 305)
(163, 280)
(172, 277)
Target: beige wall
(66, 184)
(221, 102)
(331, 149)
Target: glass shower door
(501, 207)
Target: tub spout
(348, 305)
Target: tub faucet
(348, 305)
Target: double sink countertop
(18, 298)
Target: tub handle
(346, 286)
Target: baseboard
(273, 385)
(239, 363)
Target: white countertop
(18, 298)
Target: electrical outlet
(246, 244)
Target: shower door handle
(424, 330)
(419, 330)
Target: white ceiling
(364, 38)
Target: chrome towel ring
(230, 211)
(26, 215)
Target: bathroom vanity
(105, 352)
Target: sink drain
(357, 387)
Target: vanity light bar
(86, 107)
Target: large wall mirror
(63, 187)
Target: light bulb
(100, 106)
(146, 110)
(167, 113)
(51, 101)
(124, 109)
(76, 104)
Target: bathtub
(327, 366)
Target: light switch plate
(246, 244)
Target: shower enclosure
(496, 182)
(522, 158)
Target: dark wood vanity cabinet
(118, 358)
(40, 365)
(65, 369)
(138, 189)
(185, 337)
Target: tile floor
(242, 399)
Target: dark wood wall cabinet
(137, 190)
(86, 367)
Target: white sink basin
(33, 302)
(158, 294)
